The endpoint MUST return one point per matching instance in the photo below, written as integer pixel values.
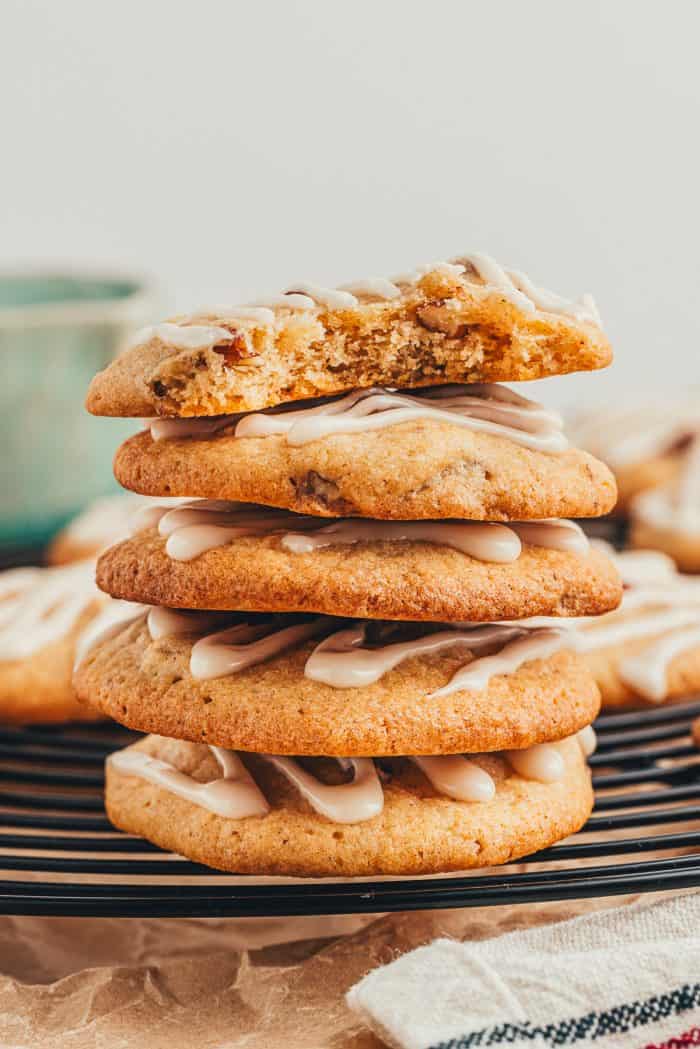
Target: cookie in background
(644, 442)
(49, 614)
(46, 616)
(648, 650)
(104, 522)
(667, 517)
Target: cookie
(314, 686)
(419, 577)
(417, 468)
(284, 818)
(644, 441)
(102, 523)
(44, 613)
(466, 321)
(668, 518)
(648, 651)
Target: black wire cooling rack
(60, 856)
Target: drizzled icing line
(481, 407)
(39, 606)
(343, 659)
(235, 795)
(477, 273)
(674, 507)
(193, 528)
(659, 605)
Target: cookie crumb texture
(372, 580)
(273, 708)
(443, 328)
(411, 471)
(418, 831)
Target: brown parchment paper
(76, 983)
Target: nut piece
(234, 351)
(438, 317)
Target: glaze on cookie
(466, 321)
(317, 685)
(648, 651)
(351, 818)
(44, 615)
(419, 577)
(478, 452)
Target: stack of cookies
(347, 648)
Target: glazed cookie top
(215, 556)
(675, 506)
(42, 606)
(329, 791)
(315, 685)
(657, 621)
(469, 320)
(265, 814)
(479, 452)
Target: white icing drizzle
(105, 521)
(484, 408)
(554, 534)
(647, 672)
(39, 606)
(520, 290)
(354, 802)
(182, 336)
(674, 507)
(247, 644)
(331, 298)
(342, 660)
(193, 528)
(457, 777)
(542, 762)
(235, 795)
(660, 605)
(481, 407)
(538, 644)
(377, 287)
(587, 740)
(110, 620)
(170, 622)
(516, 287)
(641, 429)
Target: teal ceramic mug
(56, 331)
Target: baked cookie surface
(154, 684)
(466, 321)
(43, 614)
(410, 580)
(411, 470)
(418, 830)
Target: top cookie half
(469, 320)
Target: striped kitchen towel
(619, 979)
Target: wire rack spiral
(59, 855)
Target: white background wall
(231, 147)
